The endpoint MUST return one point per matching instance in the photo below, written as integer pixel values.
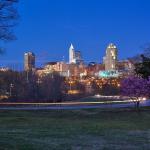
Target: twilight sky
(47, 27)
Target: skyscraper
(78, 57)
(75, 57)
(71, 54)
(29, 61)
(110, 60)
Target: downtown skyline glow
(48, 28)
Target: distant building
(29, 61)
(126, 67)
(71, 55)
(109, 74)
(93, 68)
(110, 60)
(4, 69)
(78, 58)
(75, 57)
(59, 67)
(77, 70)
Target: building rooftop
(51, 63)
(111, 45)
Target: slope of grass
(74, 130)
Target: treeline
(28, 87)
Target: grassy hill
(74, 130)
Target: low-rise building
(51, 67)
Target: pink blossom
(135, 87)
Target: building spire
(71, 54)
(71, 46)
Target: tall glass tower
(110, 60)
(71, 54)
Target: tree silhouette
(8, 17)
(143, 68)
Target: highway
(71, 105)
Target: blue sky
(47, 27)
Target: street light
(70, 83)
(10, 89)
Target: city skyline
(74, 74)
(74, 56)
(48, 32)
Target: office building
(71, 55)
(110, 60)
(29, 61)
(75, 57)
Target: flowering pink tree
(135, 88)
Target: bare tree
(147, 50)
(8, 17)
(146, 53)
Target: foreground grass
(74, 130)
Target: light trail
(72, 103)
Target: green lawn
(74, 130)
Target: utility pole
(27, 76)
(10, 89)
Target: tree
(135, 88)
(109, 89)
(147, 50)
(143, 68)
(46, 89)
(8, 17)
(21, 90)
(50, 88)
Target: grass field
(74, 130)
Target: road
(70, 105)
